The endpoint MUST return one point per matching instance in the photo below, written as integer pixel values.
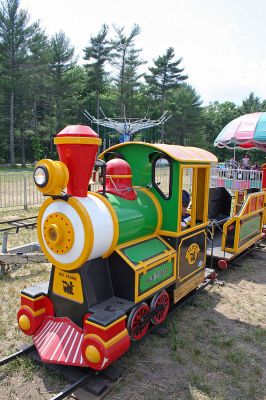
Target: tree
(97, 53)
(15, 35)
(216, 116)
(251, 104)
(62, 60)
(125, 60)
(185, 127)
(164, 76)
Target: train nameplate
(68, 285)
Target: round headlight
(40, 176)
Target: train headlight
(41, 176)
(51, 177)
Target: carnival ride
(122, 257)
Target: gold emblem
(192, 253)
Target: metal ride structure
(25, 254)
(127, 126)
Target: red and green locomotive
(120, 257)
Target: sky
(222, 42)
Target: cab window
(162, 176)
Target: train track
(99, 383)
(17, 224)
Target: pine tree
(185, 127)
(125, 58)
(15, 35)
(62, 61)
(98, 53)
(164, 76)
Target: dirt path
(216, 348)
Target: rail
(236, 179)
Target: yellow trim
(178, 261)
(118, 176)
(157, 205)
(115, 223)
(237, 219)
(105, 328)
(145, 264)
(193, 224)
(58, 177)
(77, 140)
(170, 280)
(34, 313)
(208, 157)
(110, 342)
(29, 298)
(88, 234)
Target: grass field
(215, 349)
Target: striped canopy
(247, 131)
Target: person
(186, 217)
(246, 162)
(256, 166)
(233, 163)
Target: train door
(192, 222)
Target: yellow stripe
(110, 342)
(77, 140)
(115, 223)
(105, 328)
(34, 313)
(118, 176)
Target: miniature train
(122, 256)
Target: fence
(18, 190)
(236, 179)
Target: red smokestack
(77, 146)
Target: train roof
(178, 153)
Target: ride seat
(219, 205)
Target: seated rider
(186, 217)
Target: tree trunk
(11, 130)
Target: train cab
(169, 173)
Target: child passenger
(186, 217)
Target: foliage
(43, 89)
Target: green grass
(18, 168)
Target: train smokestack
(77, 146)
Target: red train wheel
(162, 299)
(136, 325)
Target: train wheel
(222, 264)
(136, 325)
(161, 300)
